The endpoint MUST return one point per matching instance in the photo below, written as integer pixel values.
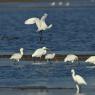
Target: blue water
(73, 30)
(55, 75)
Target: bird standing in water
(39, 52)
(17, 56)
(79, 80)
(71, 58)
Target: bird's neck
(73, 74)
(21, 52)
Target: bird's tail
(49, 26)
(10, 58)
(86, 60)
(65, 60)
(85, 83)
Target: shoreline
(58, 57)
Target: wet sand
(58, 57)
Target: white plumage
(79, 80)
(50, 56)
(40, 23)
(68, 4)
(91, 60)
(40, 52)
(71, 58)
(53, 4)
(17, 56)
(60, 3)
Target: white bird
(40, 52)
(40, 23)
(68, 4)
(91, 60)
(60, 3)
(71, 58)
(79, 80)
(17, 56)
(53, 4)
(49, 56)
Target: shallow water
(48, 75)
(73, 31)
(66, 30)
(44, 92)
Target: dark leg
(34, 59)
(41, 35)
(15, 62)
(80, 89)
(49, 61)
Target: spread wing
(44, 17)
(31, 20)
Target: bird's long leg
(40, 60)
(78, 90)
(41, 35)
(50, 61)
(47, 60)
(15, 62)
(34, 59)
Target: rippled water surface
(73, 30)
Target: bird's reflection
(40, 92)
(79, 93)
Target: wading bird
(71, 58)
(60, 3)
(79, 80)
(91, 60)
(53, 4)
(39, 52)
(49, 57)
(17, 56)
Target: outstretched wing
(31, 20)
(44, 17)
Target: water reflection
(42, 92)
(80, 94)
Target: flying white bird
(79, 80)
(49, 56)
(17, 56)
(40, 23)
(91, 60)
(40, 52)
(71, 58)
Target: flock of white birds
(60, 3)
(79, 80)
(41, 25)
